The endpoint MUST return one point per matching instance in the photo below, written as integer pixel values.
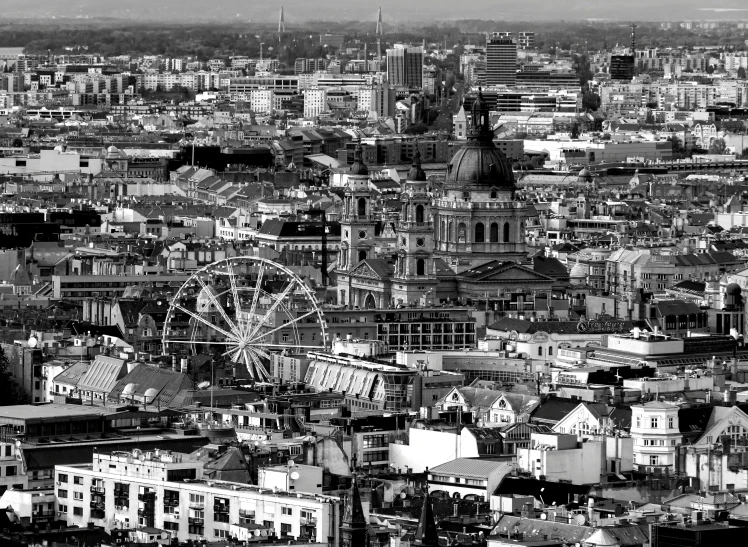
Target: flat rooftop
(49, 411)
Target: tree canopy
(11, 392)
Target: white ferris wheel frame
(246, 344)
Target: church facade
(460, 243)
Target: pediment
(364, 270)
(503, 272)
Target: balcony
(653, 469)
(247, 513)
(36, 515)
(97, 505)
(196, 521)
(221, 508)
(308, 521)
(147, 496)
(97, 489)
(171, 502)
(199, 505)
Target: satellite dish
(580, 519)
(543, 516)
(32, 342)
(295, 476)
(257, 533)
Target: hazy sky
(393, 10)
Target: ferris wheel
(244, 308)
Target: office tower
(501, 60)
(526, 40)
(622, 67)
(405, 66)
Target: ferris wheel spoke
(216, 303)
(290, 346)
(267, 314)
(255, 296)
(260, 371)
(204, 321)
(217, 342)
(235, 295)
(259, 352)
(257, 339)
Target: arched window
(420, 267)
(361, 255)
(419, 213)
(444, 236)
(480, 234)
(550, 350)
(506, 232)
(451, 231)
(494, 232)
(361, 207)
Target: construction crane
(633, 38)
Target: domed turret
(733, 289)
(21, 277)
(358, 167)
(416, 173)
(578, 273)
(585, 176)
(479, 163)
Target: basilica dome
(479, 163)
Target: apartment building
(166, 490)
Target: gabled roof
(497, 271)
(470, 467)
(166, 382)
(103, 374)
(72, 375)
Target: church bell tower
(414, 269)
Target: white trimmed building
(166, 491)
(656, 434)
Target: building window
(480, 234)
(654, 460)
(78, 511)
(494, 232)
(286, 510)
(11, 471)
(671, 423)
(62, 493)
(654, 423)
(77, 480)
(62, 477)
(285, 529)
(506, 232)
(420, 267)
(638, 421)
(77, 495)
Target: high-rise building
(526, 40)
(622, 67)
(501, 60)
(405, 66)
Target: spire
(354, 511)
(281, 22)
(426, 534)
(416, 173)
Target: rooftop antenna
(281, 22)
(379, 33)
